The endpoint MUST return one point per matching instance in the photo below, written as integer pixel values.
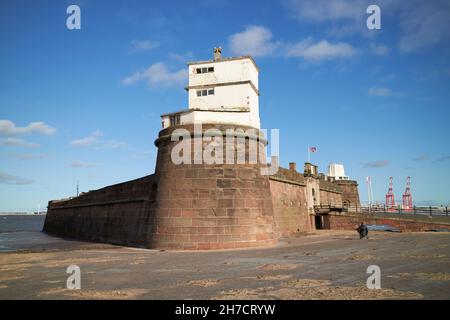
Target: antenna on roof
(217, 53)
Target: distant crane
(390, 200)
(369, 191)
(407, 196)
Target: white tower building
(337, 171)
(222, 90)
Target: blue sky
(84, 105)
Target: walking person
(363, 231)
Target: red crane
(390, 201)
(407, 196)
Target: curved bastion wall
(212, 206)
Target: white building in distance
(337, 171)
(222, 90)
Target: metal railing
(383, 209)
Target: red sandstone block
(239, 203)
(195, 238)
(253, 203)
(241, 212)
(205, 212)
(223, 183)
(204, 222)
(204, 203)
(182, 184)
(245, 221)
(216, 246)
(244, 173)
(218, 230)
(268, 203)
(237, 230)
(210, 238)
(219, 212)
(162, 221)
(190, 246)
(183, 194)
(224, 238)
(211, 173)
(232, 193)
(204, 246)
(189, 230)
(174, 212)
(191, 173)
(182, 222)
(229, 245)
(225, 221)
(203, 183)
(205, 194)
(164, 237)
(189, 213)
(229, 173)
(182, 237)
(225, 203)
(254, 193)
(235, 183)
(204, 230)
(163, 229)
(174, 246)
(260, 237)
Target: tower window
(204, 70)
(205, 92)
(175, 120)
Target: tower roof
(224, 60)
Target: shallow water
(18, 223)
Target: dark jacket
(362, 229)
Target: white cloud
(422, 157)
(425, 24)
(326, 10)
(188, 56)
(422, 23)
(17, 142)
(158, 75)
(254, 40)
(7, 127)
(379, 91)
(28, 156)
(110, 144)
(87, 141)
(82, 164)
(94, 141)
(378, 49)
(377, 164)
(322, 50)
(144, 45)
(257, 41)
(10, 179)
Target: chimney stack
(217, 53)
(293, 166)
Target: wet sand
(325, 265)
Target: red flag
(312, 149)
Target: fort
(196, 205)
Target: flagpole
(309, 156)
